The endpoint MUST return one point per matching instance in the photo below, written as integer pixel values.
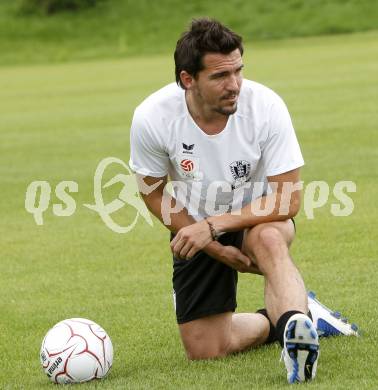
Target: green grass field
(119, 28)
(58, 121)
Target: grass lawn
(119, 28)
(58, 121)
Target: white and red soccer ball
(76, 350)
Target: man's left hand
(191, 239)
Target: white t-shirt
(212, 174)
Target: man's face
(217, 86)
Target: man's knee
(266, 243)
(266, 237)
(204, 341)
(270, 238)
(199, 346)
(202, 352)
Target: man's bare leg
(285, 297)
(221, 334)
(268, 246)
(249, 330)
(218, 335)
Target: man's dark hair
(204, 36)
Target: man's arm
(285, 201)
(158, 198)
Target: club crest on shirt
(240, 171)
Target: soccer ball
(76, 350)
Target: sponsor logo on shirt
(187, 165)
(240, 171)
(187, 149)
(189, 168)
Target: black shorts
(204, 286)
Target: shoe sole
(302, 347)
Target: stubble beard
(226, 111)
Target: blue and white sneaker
(328, 322)
(301, 349)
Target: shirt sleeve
(147, 154)
(281, 152)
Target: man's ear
(186, 79)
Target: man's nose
(232, 83)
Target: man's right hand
(228, 255)
(234, 258)
(231, 256)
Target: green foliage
(120, 28)
(53, 6)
